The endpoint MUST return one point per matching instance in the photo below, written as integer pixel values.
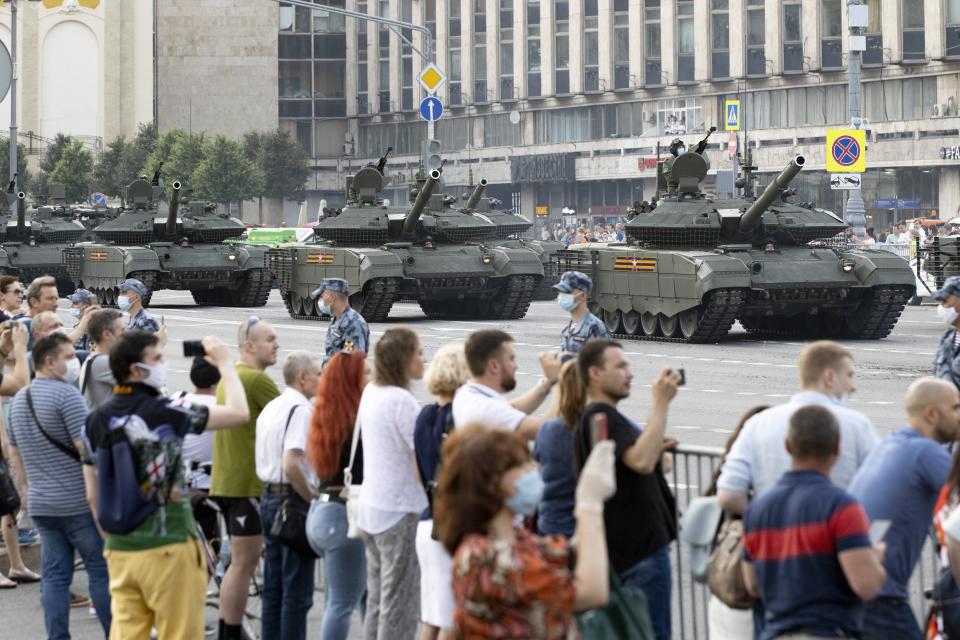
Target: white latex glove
(598, 480)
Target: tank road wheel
(689, 321)
(668, 325)
(310, 308)
(295, 304)
(613, 320)
(631, 322)
(101, 296)
(149, 280)
(649, 323)
(112, 297)
(376, 298)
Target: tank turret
(477, 194)
(771, 194)
(423, 198)
(174, 208)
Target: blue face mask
(323, 308)
(123, 302)
(529, 493)
(567, 301)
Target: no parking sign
(846, 151)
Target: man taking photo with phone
(639, 547)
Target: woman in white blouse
(392, 497)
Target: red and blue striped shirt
(793, 533)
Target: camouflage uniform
(946, 365)
(573, 336)
(349, 327)
(143, 321)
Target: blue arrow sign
(431, 109)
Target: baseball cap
(574, 280)
(337, 285)
(132, 284)
(950, 288)
(82, 295)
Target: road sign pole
(855, 212)
(13, 93)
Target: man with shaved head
(899, 482)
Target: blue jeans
(60, 538)
(287, 582)
(345, 566)
(652, 576)
(890, 619)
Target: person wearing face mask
(508, 582)
(157, 577)
(82, 302)
(757, 459)
(574, 288)
(46, 441)
(132, 293)
(946, 364)
(899, 482)
(347, 326)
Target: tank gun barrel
(171, 228)
(477, 194)
(21, 213)
(771, 193)
(413, 216)
(702, 145)
(382, 164)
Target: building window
(533, 48)
(792, 38)
(480, 94)
(873, 56)
(621, 44)
(720, 28)
(952, 40)
(680, 116)
(562, 76)
(831, 47)
(454, 58)
(498, 131)
(913, 40)
(686, 41)
(506, 50)
(652, 70)
(591, 47)
(756, 38)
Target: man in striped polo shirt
(806, 547)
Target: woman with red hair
(328, 448)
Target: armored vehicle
(695, 264)
(172, 251)
(515, 237)
(450, 261)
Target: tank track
(719, 314)
(379, 297)
(511, 303)
(518, 294)
(255, 289)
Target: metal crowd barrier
(693, 469)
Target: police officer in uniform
(947, 363)
(132, 293)
(574, 288)
(347, 326)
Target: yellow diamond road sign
(431, 78)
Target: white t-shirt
(271, 442)
(197, 447)
(391, 486)
(477, 403)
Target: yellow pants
(163, 588)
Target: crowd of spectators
(473, 516)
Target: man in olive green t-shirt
(234, 484)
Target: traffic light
(431, 155)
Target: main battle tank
(450, 261)
(516, 238)
(695, 264)
(182, 249)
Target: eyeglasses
(252, 320)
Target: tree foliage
(107, 173)
(74, 170)
(281, 160)
(24, 179)
(226, 174)
(49, 159)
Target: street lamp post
(13, 91)
(855, 212)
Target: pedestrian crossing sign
(732, 110)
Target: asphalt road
(723, 381)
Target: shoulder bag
(724, 575)
(625, 617)
(289, 525)
(69, 450)
(351, 492)
(9, 497)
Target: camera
(683, 376)
(193, 348)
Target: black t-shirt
(641, 517)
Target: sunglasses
(252, 320)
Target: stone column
(605, 43)
(576, 46)
(738, 39)
(635, 18)
(548, 48)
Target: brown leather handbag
(725, 576)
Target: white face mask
(123, 302)
(75, 313)
(947, 315)
(73, 371)
(158, 375)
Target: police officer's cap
(82, 295)
(337, 285)
(950, 288)
(132, 284)
(574, 280)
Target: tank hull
(450, 281)
(547, 251)
(215, 274)
(28, 262)
(695, 296)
